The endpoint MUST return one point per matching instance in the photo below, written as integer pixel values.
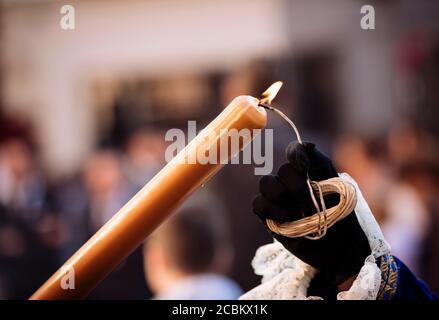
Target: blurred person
(409, 204)
(411, 149)
(25, 262)
(407, 141)
(185, 258)
(144, 156)
(53, 231)
(365, 162)
(107, 191)
(81, 205)
(22, 187)
(65, 227)
(107, 188)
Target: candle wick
(265, 106)
(285, 117)
(299, 139)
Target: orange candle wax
(151, 205)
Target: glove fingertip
(309, 146)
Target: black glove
(340, 254)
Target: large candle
(152, 204)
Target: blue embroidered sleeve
(399, 283)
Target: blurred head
(356, 154)
(144, 151)
(145, 148)
(404, 143)
(423, 176)
(102, 172)
(16, 155)
(194, 241)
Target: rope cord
(315, 226)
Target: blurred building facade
(47, 70)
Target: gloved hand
(283, 197)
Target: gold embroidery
(389, 277)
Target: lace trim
(284, 276)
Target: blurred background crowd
(83, 114)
